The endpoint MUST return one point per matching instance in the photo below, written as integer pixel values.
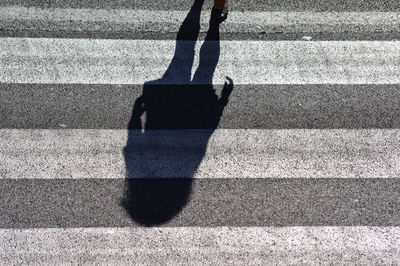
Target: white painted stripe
(229, 153)
(23, 18)
(209, 246)
(25, 60)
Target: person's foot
(220, 10)
(219, 14)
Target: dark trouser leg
(220, 4)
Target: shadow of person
(170, 126)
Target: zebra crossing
(109, 152)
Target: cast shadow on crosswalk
(170, 126)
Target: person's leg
(220, 4)
(220, 10)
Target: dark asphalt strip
(33, 203)
(47, 106)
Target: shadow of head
(170, 127)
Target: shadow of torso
(180, 106)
